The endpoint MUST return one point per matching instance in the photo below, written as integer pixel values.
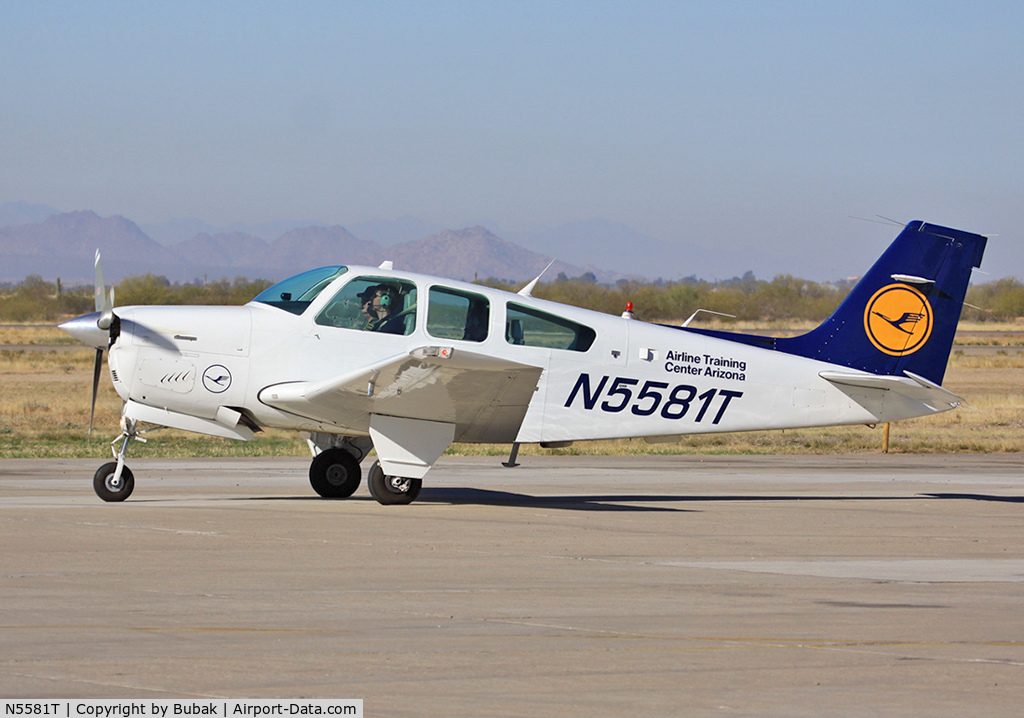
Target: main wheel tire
(104, 486)
(392, 490)
(335, 474)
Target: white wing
(485, 397)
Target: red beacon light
(628, 314)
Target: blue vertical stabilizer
(902, 315)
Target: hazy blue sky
(734, 125)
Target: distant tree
(35, 299)
(746, 297)
(146, 289)
(1001, 300)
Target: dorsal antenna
(527, 291)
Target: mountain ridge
(63, 244)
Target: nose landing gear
(111, 485)
(114, 481)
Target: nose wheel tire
(392, 490)
(107, 489)
(335, 474)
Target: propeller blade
(104, 302)
(95, 386)
(100, 290)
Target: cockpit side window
(533, 328)
(296, 293)
(453, 314)
(372, 304)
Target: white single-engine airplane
(403, 363)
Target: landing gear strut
(392, 490)
(114, 481)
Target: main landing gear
(392, 490)
(335, 474)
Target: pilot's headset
(388, 295)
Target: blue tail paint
(902, 315)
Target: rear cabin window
(453, 314)
(372, 304)
(529, 327)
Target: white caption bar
(252, 708)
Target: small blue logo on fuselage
(217, 379)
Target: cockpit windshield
(298, 292)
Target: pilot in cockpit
(380, 307)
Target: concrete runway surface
(570, 586)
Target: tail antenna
(884, 220)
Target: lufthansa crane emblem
(898, 320)
(217, 379)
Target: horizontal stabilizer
(911, 386)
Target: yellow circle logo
(898, 320)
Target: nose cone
(84, 329)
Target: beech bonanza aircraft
(365, 358)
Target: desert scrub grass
(164, 443)
(34, 334)
(842, 439)
(21, 360)
(45, 394)
(1012, 359)
(44, 412)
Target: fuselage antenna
(527, 291)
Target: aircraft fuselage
(635, 379)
